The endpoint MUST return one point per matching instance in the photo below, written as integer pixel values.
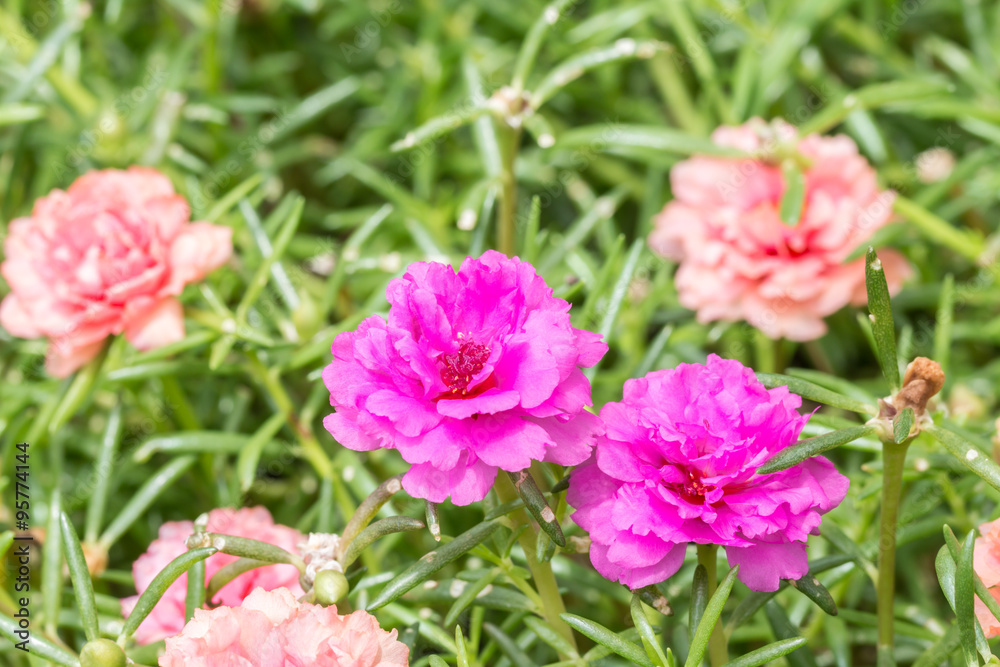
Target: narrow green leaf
(880, 314)
(263, 274)
(814, 392)
(83, 587)
(654, 137)
(15, 114)
(432, 520)
(227, 573)
(468, 594)
(947, 572)
(577, 66)
(901, 425)
(810, 447)
(652, 596)
(40, 646)
(964, 602)
(533, 40)
(435, 661)
(376, 530)
(793, 199)
(965, 243)
(431, 562)
(609, 640)
(649, 640)
(508, 646)
(191, 442)
(102, 474)
(195, 598)
(440, 126)
(550, 635)
(249, 453)
(367, 510)
(713, 612)
(52, 577)
(968, 454)
(945, 320)
(534, 501)
(161, 582)
(766, 654)
(699, 600)
(981, 591)
(245, 547)
(783, 629)
(815, 591)
(144, 497)
(231, 198)
(940, 652)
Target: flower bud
(329, 587)
(102, 653)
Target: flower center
(694, 489)
(462, 366)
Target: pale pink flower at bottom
(167, 617)
(271, 629)
(107, 256)
(986, 563)
(740, 261)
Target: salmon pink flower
(108, 255)
(678, 464)
(270, 628)
(740, 261)
(471, 373)
(986, 563)
(167, 617)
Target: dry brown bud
(923, 379)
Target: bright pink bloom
(271, 629)
(986, 563)
(108, 255)
(679, 463)
(473, 372)
(167, 617)
(739, 261)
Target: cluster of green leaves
(343, 140)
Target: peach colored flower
(167, 617)
(108, 255)
(986, 563)
(271, 628)
(740, 261)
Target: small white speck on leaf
(971, 455)
(871, 316)
(877, 264)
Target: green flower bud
(329, 587)
(102, 653)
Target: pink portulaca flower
(986, 563)
(740, 261)
(271, 628)
(472, 373)
(679, 463)
(108, 255)
(167, 617)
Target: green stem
(893, 457)
(507, 227)
(718, 654)
(541, 573)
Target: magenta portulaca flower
(473, 372)
(678, 464)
